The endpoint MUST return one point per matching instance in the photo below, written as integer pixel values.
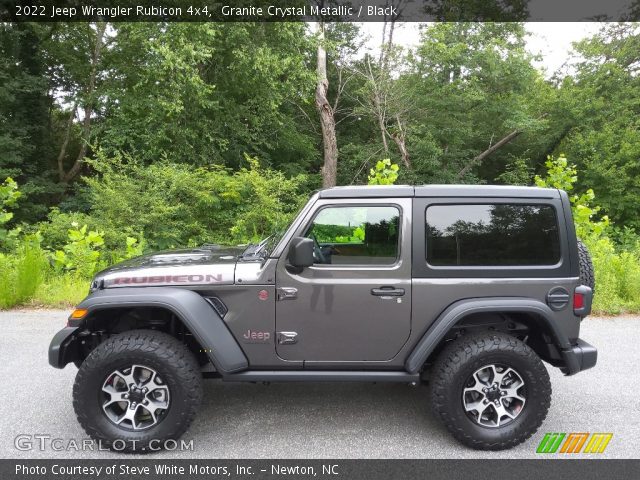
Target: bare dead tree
(385, 104)
(379, 107)
(399, 137)
(325, 110)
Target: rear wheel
(491, 390)
(137, 390)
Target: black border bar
(201, 469)
(314, 10)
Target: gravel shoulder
(319, 420)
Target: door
(354, 303)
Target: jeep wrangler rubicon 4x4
(467, 288)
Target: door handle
(387, 292)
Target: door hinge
(287, 293)
(287, 338)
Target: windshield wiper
(256, 249)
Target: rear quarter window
(492, 235)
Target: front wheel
(137, 390)
(491, 390)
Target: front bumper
(579, 357)
(64, 347)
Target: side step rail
(321, 376)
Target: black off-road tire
(172, 361)
(587, 277)
(464, 356)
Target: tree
(206, 93)
(27, 131)
(77, 73)
(604, 102)
(325, 111)
(474, 94)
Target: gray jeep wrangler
(466, 288)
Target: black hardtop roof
(384, 191)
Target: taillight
(578, 300)
(582, 297)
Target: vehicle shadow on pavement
(315, 420)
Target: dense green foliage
(617, 267)
(126, 138)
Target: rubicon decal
(163, 279)
(574, 443)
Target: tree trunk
(327, 120)
(377, 102)
(65, 143)
(400, 138)
(478, 159)
(88, 106)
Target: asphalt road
(318, 420)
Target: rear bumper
(581, 356)
(64, 347)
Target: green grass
(617, 278)
(26, 278)
(61, 291)
(21, 273)
(6, 289)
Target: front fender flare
(198, 316)
(456, 311)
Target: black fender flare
(456, 311)
(193, 310)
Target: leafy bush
(562, 175)
(9, 195)
(178, 205)
(384, 173)
(267, 201)
(617, 267)
(81, 254)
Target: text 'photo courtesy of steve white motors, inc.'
(192, 469)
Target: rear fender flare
(456, 311)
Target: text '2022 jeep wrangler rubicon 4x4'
(466, 287)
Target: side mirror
(301, 252)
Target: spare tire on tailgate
(586, 267)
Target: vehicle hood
(200, 266)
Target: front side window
(358, 235)
(492, 235)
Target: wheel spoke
(477, 388)
(478, 407)
(155, 387)
(126, 378)
(513, 393)
(129, 414)
(153, 406)
(502, 412)
(111, 390)
(115, 396)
